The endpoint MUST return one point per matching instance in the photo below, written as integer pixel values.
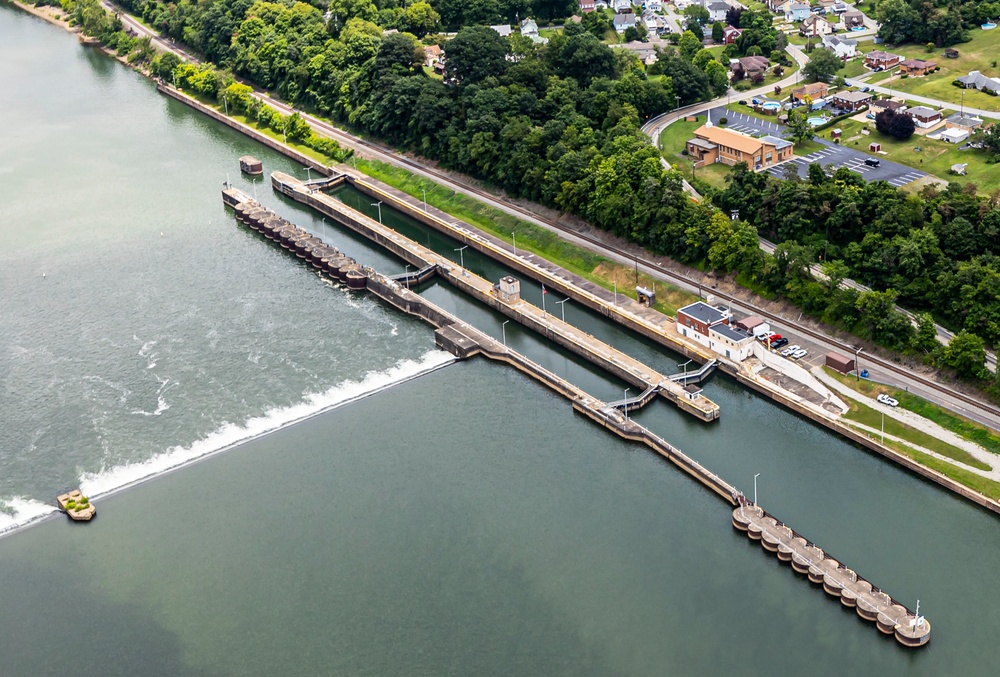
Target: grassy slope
(546, 244)
(980, 53)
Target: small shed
(951, 53)
(646, 296)
(748, 324)
(836, 134)
(840, 363)
(509, 289)
(874, 147)
(959, 168)
(692, 392)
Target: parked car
(870, 116)
(790, 349)
(885, 399)
(799, 354)
(775, 336)
(877, 69)
(866, 88)
(780, 342)
(872, 162)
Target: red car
(775, 337)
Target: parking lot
(831, 157)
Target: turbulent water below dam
(380, 508)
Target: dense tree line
(940, 22)
(937, 252)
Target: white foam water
(18, 511)
(231, 434)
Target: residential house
(884, 60)
(954, 135)
(777, 6)
(963, 121)
(842, 47)
(695, 320)
(503, 29)
(852, 101)
(587, 5)
(432, 55)
(529, 29)
(716, 144)
(880, 105)
(645, 51)
(620, 5)
(796, 11)
(916, 67)
(729, 34)
(817, 90)
(653, 5)
(681, 5)
(852, 19)
(623, 21)
(749, 65)
(923, 116)
(600, 4)
(976, 80)
(814, 26)
(840, 7)
(717, 11)
(825, 5)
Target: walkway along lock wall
(465, 341)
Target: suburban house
(653, 5)
(976, 80)
(716, 144)
(717, 11)
(816, 90)
(880, 105)
(961, 121)
(840, 7)
(587, 6)
(695, 320)
(852, 19)
(777, 5)
(529, 29)
(916, 67)
(432, 54)
(954, 135)
(923, 116)
(600, 4)
(729, 34)
(504, 30)
(749, 65)
(620, 5)
(796, 11)
(735, 344)
(624, 21)
(842, 47)
(814, 26)
(681, 5)
(852, 101)
(645, 51)
(825, 5)
(884, 60)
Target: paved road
(939, 394)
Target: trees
(584, 58)
(822, 66)
(966, 354)
(474, 54)
(689, 45)
(799, 128)
(421, 19)
(897, 125)
(718, 32)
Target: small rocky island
(76, 505)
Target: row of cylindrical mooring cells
(837, 580)
(303, 244)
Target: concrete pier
(464, 341)
(838, 580)
(573, 339)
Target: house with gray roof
(503, 29)
(717, 11)
(842, 47)
(622, 22)
(976, 80)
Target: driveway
(831, 156)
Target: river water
(459, 520)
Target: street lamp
(685, 365)
(857, 365)
(513, 237)
(425, 199)
(616, 292)
(379, 205)
(503, 328)
(755, 489)
(407, 276)
(461, 258)
(561, 305)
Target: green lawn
(980, 53)
(672, 141)
(935, 157)
(853, 69)
(807, 147)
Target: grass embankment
(530, 237)
(959, 425)
(980, 53)
(267, 131)
(808, 147)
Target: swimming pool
(988, 26)
(817, 121)
(771, 105)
